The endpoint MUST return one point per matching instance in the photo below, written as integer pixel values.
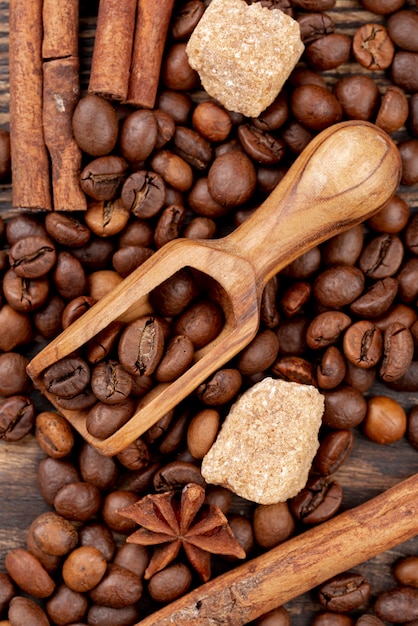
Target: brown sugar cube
(267, 443)
(244, 53)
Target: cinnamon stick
(152, 22)
(112, 50)
(30, 162)
(300, 564)
(61, 94)
(60, 28)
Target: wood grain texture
(370, 469)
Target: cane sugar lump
(244, 53)
(267, 443)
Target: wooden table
(371, 468)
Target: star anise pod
(169, 521)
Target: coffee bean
(25, 294)
(404, 70)
(314, 25)
(329, 618)
(202, 432)
(315, 107)
(260, 353)
(54, 534)
(382, 256)
(66, 606)
(408, 150)
(372, 47)
(104, 419)
(78, 501)
(333, 451)
(106, 218)
(22, 226)
(377, 299)
(338, 286)
(328, 52)
(176, 72)
(138, 135)
(169, 224)
(112, 502)
(110, 382)
(171, 583)
(192, 147)
(318, 501)
(260, 145)
(54, 474)
(393, 110)
(332, 368)
(118, 587)
(106, 616)
(95, 125)
(176, 474)
(14, 380)
(221, 387)
(26, 611)
(32, 257)
(345, 592)
(403, 29)
(97, 469)
(397, 605)
(273, 524)
(345, 407)
(67, 377)
(69, 276)
(385, 421)
(237, 166)
(201, 322)
(28, 573)
(398, 351)
(185, 19)
(143, 193)
(325, 329)
(54, 434)
(17, 417)
(363, 344)
(358, 95)
(294, 369)
(173, 169)
(275, 617)
(99, 536)
(84, 568)
(102, 177)
(141, 345)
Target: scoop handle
(344, 175)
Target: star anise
(169, 521)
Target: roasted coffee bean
(201, 322)
(338, 286)
(408, 150)
(314, 25)
(393, 110)
(110, 382)
(175, 103)
(259, 145)
(66, 229)
(202, 432)
(106, 616)
(303, 75)
(273, 524)
(382, 256)
(192, 147)
(75, 309)
(345, 407)
(328, 52)
(269, 314)
(385, 421)
(81, 402)
(26, 611)
(15, 328)
(318, 501)
(403, 29)
(48, 561)
(176, 474)
(99, 346)
(137, 232)
(97, 469)
(95, 125)
(69, 276)
(404, 70)
(84, 568)
(21, 226)
(397, 605)
(53, 534)
(174, 438)
(138, 135)
(143, 193)
(325, 329)
(102, 177)
(243, 532)
(372, 47)
(14, 380)
(296, 136)
(275, 617)
(333, 451)
(170, 583)
(178, 357)
(345, 592)
(314, 5)
(32, 257)
(141, 345)
(67, 377)
(305, 265)
(377, 299)
(398, 352)
(25, 294)
(369, 620)
(104, 419)
(7, 591)
(407, 382)
(102, 282)
(135, 455)
(329, 618)
(54, 434)
(175, 294)
(95, 254)
(119, 587)
(211, 121)
(358, 95)
(66, 606)
(114, 501)
(78, 501)
(363, 344)
(405, 571)
(176, 71)
(236, 166)
(169, 224)
(28, 573)
(402, 313)
(344, 248)
(358, 377)
(98, 535)
(200, 228)
(106, 218)
(294, 369)
(315, 107)
(54, 474)
(407, 280)
(17, 417)
(295, 297)
(221, 387)
(260, 353)
(185, 19)
(133, 557)
(174, 170)
(392, 217)
(332, 368)
(382, 7)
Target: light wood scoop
(299, 564)
(343, 176)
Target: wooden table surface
(371, 468)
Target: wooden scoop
(343, 176)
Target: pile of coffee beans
(342, 317)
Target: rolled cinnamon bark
(61, 94)
(112, 50)
(60, 28)
(152, 22)
(30, 163)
